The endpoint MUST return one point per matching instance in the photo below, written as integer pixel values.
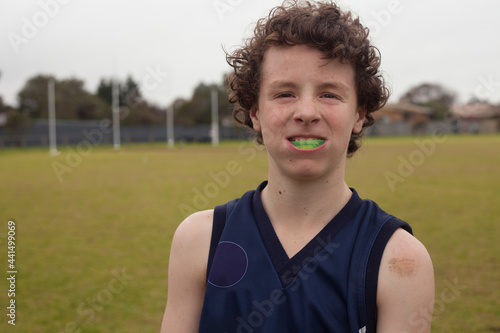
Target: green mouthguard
(307, 144)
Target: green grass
(117, 211)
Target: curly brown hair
(321, 25)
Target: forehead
(301, 62)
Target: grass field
(94, 226)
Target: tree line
(73, 101)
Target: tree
(434, 96)
(133, 108)
(197, 110)
(73, 101)
(32, 99)
(129, 92)
(104, 91)
(143, 113)
(71, 98)
(17, 126)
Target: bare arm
(187, 274)
(405, 294)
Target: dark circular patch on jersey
(229, 265)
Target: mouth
(307, 143)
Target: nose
(306, 111)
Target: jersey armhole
(218, 226)
(373, 266)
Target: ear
(254, 115)
(359, 121)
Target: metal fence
(101, 132)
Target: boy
(303, 252)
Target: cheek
(272, 127)
(342, 121)
(342, 126)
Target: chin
(307, 173)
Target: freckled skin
(402, 267)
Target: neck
(296, 203)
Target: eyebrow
(282, 84)
(337, 85)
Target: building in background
(401, 119)
(476, 118)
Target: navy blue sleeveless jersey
(328, 286)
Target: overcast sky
(171, 46)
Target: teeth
(309, 143)
(303, 139)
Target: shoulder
(194, 233)
(405, 256)
(196, 222)
(191, 243)
(405, 292)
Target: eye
(329, 95)
(284, 95)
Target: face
(307, 110)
